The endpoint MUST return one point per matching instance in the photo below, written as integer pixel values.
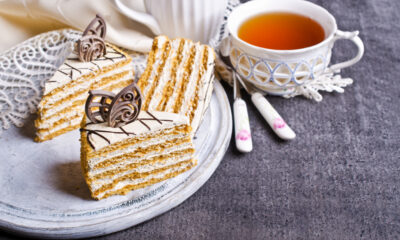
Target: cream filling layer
(191, 85)
(143, 169)
(54, 110)
(71, 122)
(205, 92)
(156, 64)
(84, 84)
(125, 162)
(202, 105)
(72, 113)
(160, 175)
(165, 77)
(179, 76)
(152, 142)
(126, 182)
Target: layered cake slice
(155, 147)
(94, 65)
(124, 149)
(62, 106)
(178, 78)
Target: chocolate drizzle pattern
(120, 130)
(73, 68)
(92, 46)
(117, 110)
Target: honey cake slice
(62, 106)
(155, 147)
(178, 78)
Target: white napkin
(20, 20)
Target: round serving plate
(43, 192)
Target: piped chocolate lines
(122, 130)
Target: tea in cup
(279, 45)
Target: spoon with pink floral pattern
(241, 120)
(275, 121)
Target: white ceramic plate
(43, 193)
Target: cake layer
(44, 136)
(133, 168)
(134, 177)
(155, 61)
(68, 125)
(169, 75)
(134, 171)
(141, 155)
(134, 152)
(125, 186)
(130, 163)
(65, 113)
(178, 78)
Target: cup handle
(141, 17)
(353, 36)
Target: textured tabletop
(339, 179)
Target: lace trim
(24, 70)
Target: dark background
(339, 179)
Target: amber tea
(281, 31)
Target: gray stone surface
(340, 178)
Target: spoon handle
(242, 126)
(272, 117)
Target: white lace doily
(25, 68)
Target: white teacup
(280, 71)
(198, 20)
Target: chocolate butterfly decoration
(115, 109)
(92, 46)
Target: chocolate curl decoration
(92, 46)
(117, 110)
(125, 107)
(102, 106)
